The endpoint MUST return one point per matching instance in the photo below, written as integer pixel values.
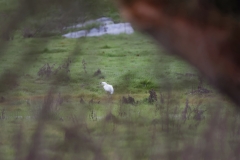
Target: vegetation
(53, 107)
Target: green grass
(119, 62)
(133, 65)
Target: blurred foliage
(43, 17)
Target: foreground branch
(203, 36)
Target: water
(107, 26)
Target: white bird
(108, 87)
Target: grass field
(53, 107)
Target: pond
(106, 26)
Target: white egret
(107, 87)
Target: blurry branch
(45, 116)
(80, 142)
(197, 31)
(37, 136)
(18, 139)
